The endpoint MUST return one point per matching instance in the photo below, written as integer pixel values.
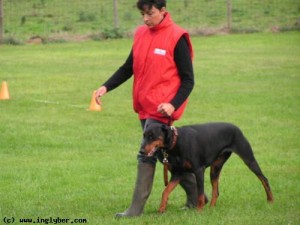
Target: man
(161, 64)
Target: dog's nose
(143, 147)
(142, 151)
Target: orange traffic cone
(94, 106)
(4, 94)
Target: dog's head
(156, 136)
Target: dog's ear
(167, 134)
(164, 128)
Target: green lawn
(61, 19)
(60, 160)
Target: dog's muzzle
(145, 151)
(152, 152)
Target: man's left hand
(166, 109)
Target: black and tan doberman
(197, 147)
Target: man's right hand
(99, 93)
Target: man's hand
(166, 109)
(99, 93)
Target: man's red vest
(156, 79)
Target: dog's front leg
(200, 186)
(167, 191)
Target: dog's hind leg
(215, 170)
(244, 150)
(199, 173)
(254, 167)
(189, 185)
(167, 191)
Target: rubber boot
(143, 186)
(189, 184)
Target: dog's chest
(177, 164)
(187, 165)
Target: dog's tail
(243, 148)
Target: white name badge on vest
(160, 51)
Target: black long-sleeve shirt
(184, 65)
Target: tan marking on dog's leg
(201, 202)
(215, 192)
(165, 195)
(267, 188)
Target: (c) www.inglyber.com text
(50, 220)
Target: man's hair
(148, 4)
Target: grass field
(60, 160)
(58, 19)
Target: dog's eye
(151, 137)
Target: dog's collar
(174, 137)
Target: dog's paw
(200, 209)
(162, 210)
